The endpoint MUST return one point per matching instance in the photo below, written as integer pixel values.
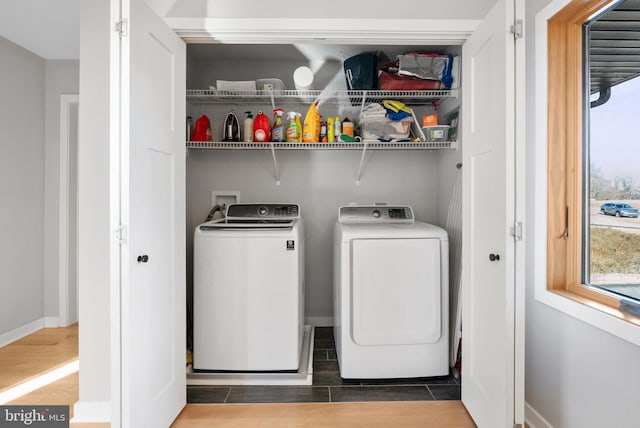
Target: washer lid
(378, 214)
(247, 223)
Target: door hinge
(122, 27)
(517, 29)
(516, 231)
(120, 234)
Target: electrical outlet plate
(224, 197)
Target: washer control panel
(376, 214)
(263, 211)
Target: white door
(153, 61)
(489, 276)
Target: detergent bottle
(261, 132)
(248, 127)
(202, 131)
(293, 131)
(337, 128)
(277, 132)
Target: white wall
(61, 78)
(431, 9)
(22, 117)
(320, 181)
(576, 375)
(93, 193)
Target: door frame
(520, 122)
(451, 32)
(66, 103)
(423, 32)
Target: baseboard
(534, 419)
(20, 332)
(319, 321)
(91, 412)
(51, 322)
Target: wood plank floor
(51, 348)
(37, 353)
(405, 414)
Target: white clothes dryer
(391, 294)
(248, 290)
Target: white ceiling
(48, 28)
(51, 28)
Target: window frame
(558, 172)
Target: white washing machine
(248, 291)
(391, 294)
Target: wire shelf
(206, 96)
(370, 145)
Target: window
(575, 241)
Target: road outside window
(614, 191)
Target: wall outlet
(224, 197)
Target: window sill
(606, 318)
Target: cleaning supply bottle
(202, 130)
(299, 123)
(347, 127)
(323, 130)
(337, 128)
(189, 128)
(261, 132)
(330, 131)
(248, 127)
(277, 132)
(293, 131)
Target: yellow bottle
(299, 123)
(330, 129)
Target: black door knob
(143, 259)
(494, 257)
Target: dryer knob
(263, 210)
(376, 214)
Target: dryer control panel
(384, 214)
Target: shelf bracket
(273, 101)
(364, 101)
(364, 152)
(275, 163)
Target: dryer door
(396, 291)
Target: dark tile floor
(328, 386)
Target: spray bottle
(277, 131)
(293, 131)
(248, 127)
(299, 123)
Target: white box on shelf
(436, 133)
